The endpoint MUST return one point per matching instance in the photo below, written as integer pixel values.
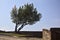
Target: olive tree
(24, 15)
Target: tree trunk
(21, 27)
(16, 28)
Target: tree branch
(21, 27)
(16, 28)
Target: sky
(50, 10)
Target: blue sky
(50, 10)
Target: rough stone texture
(46, 34)
(55, 33)
(52, 34)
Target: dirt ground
(17, 38)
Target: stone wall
(46, 34)
(52, 34)
(55, 33)
(31, 33)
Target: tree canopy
(25, 15)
